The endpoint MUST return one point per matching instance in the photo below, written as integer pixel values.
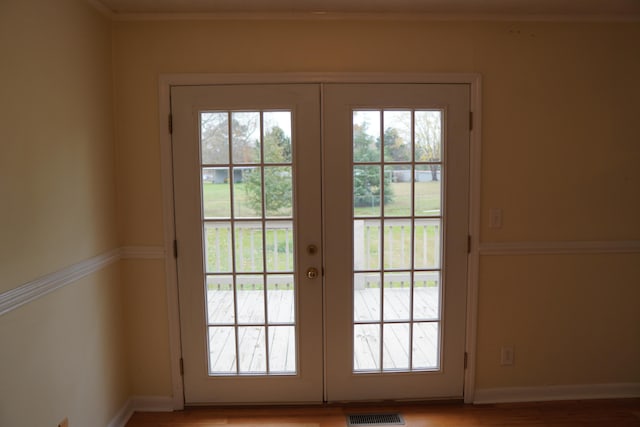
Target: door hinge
(182, 366)
(175, 249)
(466, 358)
(469, 243)
(470, 120)
(170, 123)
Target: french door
(322, 239)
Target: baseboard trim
(141, 404)
(556, 392)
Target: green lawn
(427, 201)
(217, 201)
(249, 240)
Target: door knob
(312, 273)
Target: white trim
(166, 81)
(559, 247)
(170, 267)
(30, 291)
(371, 16)
(557, 392)
(197, 79)
(473, 260)
(122, 417)
(142, 252)
(141, 404)
(104, 10)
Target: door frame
(166, 81)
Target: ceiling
(463, 8)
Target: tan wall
(62, 355)
(57, 167)
(560, 154)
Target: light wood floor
(592, 413)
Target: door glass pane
(397, 235)
(366, 342)
(214, 137)
(282, 349)
(428, 135)
(397, 244)
(220, 300)
(426, 243)
(367, 190)
(396, 346)
(280, 298)
(278, 191)
(397, 136)
(251, 345)
(222, 350)
(426, 295)
(366, 244)
(250, 298)
(366, 297)
(397, 190)
(248, 246)
(426, 344)
(428, 189)
(366, 136)
(217, 244)
(397, 296)
(216, 188)
(247, 192)
(245, 137)
(277, 137)
(279, 246)
(249, 261)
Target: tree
(428, 131)
(395, 147)
(277, 179)
(366, 178)
(214, 137)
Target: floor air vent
(375, 420)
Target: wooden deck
(280, 308)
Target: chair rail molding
(559, 247)
(37, 288)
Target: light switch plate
(495, 218)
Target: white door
(396, 182)
(381, 208)
(247, 200)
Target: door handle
(312, 273)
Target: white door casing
(341, 383)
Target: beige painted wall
(57, 167)
(62, 355)
(560, 149)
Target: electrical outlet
(64, 423)
(495, 218)
(506, 355)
